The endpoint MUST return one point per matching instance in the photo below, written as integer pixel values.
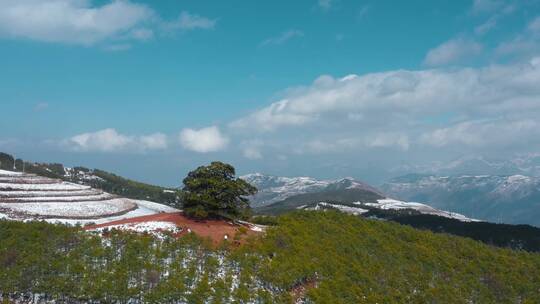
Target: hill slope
(95, 178)
(320, 257)
(25, 196)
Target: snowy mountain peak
(277, 188)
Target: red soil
(214, 229)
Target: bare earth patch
(216, 230)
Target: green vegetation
(523, 237)
(213, 191)
(6, 161)
(343, 258)
(115, 184)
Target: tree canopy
(214, 191)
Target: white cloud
(70, 21)
(142, 34)
(203, 140)
(188, 21)
(486, 26)
(401, 110)
(252, 153)
(524, 44)
(325, 4)
(484, 133)
(385, 140)
(251, 149)
(109, 140)
(156, 141)
(452, 51)
(486, 6)
(283, 37)
(40, 106)
(106, 140)
(534, 26)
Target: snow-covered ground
(66, 199)
(50, 193)
(72, 209)
(392, 204)
(342, 208)
(29, 197)
(43, 187)
(9, 173)
(144, 208)
(155, 228)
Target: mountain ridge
(513, 199)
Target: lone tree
(213, 191)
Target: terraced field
(30, 197)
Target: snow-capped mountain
(511, 199)
(280, 194)
(276, 188)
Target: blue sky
(170, 85)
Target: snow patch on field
(9, 173)
(143, 227)
(74, 198)
(37, 193)
(27, 197)
(31, 187)
(70, 209)
(342, 208)
(144, 208)
(392, 204)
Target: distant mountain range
(274, 189)
(281, 194)
(513, 199)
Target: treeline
(523, 237)
(115, 184)
(323, 257)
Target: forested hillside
(324, 257)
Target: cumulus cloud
(251, 149)
(283, 37)
(525, 43)
(109, 140)
(325, 4)
(484, 133)
(114, 25)
(452, 51)
(70, 21)
(403, 110)
(188, 21)
(390, 140)
(156, 141)
(486, 26)
(204, 140)
(486, 6)
(142, 34)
